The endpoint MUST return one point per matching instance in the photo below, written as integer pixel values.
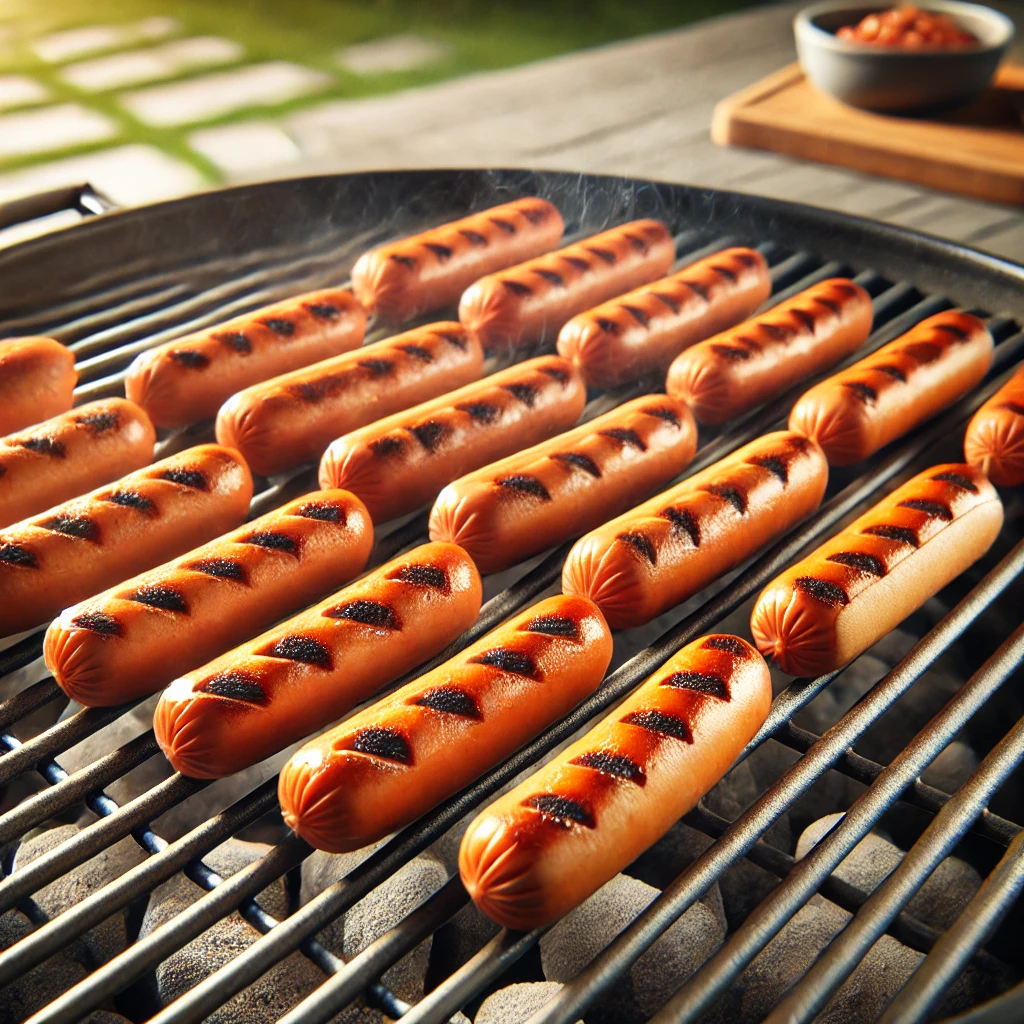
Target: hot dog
(836, 602)
(133, 639)
(188, 379)
(90, 543)
(306, 672)
(904, 383)
(994, 442)
(530, 303)
(643, 331)
(401, 462)
(555, 839)
(431, 270)
(293, 418)
(566, 486)
(391, 763)
(70, 454)
(667, 549)
(37, 381)
(731, 373)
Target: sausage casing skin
(664, 551)
(304, 673)
(643, 331)
(566, 486)
(544, 847)
(736, 371)
(384, 767)
(133, 639)
(888, 393)
(188, 379)
(401, 462)
(994, 442)
(71, 453)
(88, 544)
(834, 604)
(531, 302)
(37, 381)
(293, 418)
(430, 271)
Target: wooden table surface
(639, 108)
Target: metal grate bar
(18, 655)
(32, 698)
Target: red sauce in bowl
(910, 28)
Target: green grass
(482, 35)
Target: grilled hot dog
(643, 331)
(70, 454)
(431, 270)
(530, 303)
(666, 550)
(391, 763)
(994, 442)
(90, 543)
(188, 379)
(401, 462)
(555, 839)
(293, 418)
(306, 672)
(888, 393)
(728, 375)
(834, 604)
(566, 486)
(133, 639)
(37, 381)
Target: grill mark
(450, 701)
(303, 649)
(1015, 407)
(473, 237)
(897, 533)
(606, 325)
(166, 598)
(525, 393)
(190, 358)
(577, 262)
(377, 367)
(729, 644)
(385, 743)
(553, 625)
(222, 568)
(640, 244)
(776, 466)
(922, 351)
(641, 544)
(422, 576)
(15, 554)
(517, 287)
(862, 392)
(958, 480)
(442, 252)
(564, 811)
(733, 353)
(98, 622)
(776, 332)
(683, 521)
(844, 289)
(323, 511)
(367, 613)
(602, 254)
(583, 462)
(99, 422)
(828, 304)
(657, 721)
(285, 328)
(323, 310)
(725, 272)
(481, 412)
(525, 485)
(424, 355)
(550, 276)
(507, 660)
(607, 763)
(828, 594)
(132, 499)
(44, 446)
(958, 332)
(406, 261)
(315, 391)
(667, 301)
(628, 438)
(236, 341)
(745, 258)
(429, 434)
(699, 289)
(505, 226)
(458, 340)
(892, 371)
(807, 319)
(383, 447)
(534, 216)
(729, 494)
(72, 526)
(273, 541)
(858, 560)
(187, 478)
(637, 314)
(555, 374)
(930, 508)
(239, 686)
(699, 682)
(662, 413)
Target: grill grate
(112, 318)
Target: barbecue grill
(120, 282)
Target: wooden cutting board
(976, 150)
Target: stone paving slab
(50, 128)
(392, 53)
(247, 147)
(21, 91)
(213, 95)
(135, 67)
(72, 43)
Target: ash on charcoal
(585, 931)
(516, 1003)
